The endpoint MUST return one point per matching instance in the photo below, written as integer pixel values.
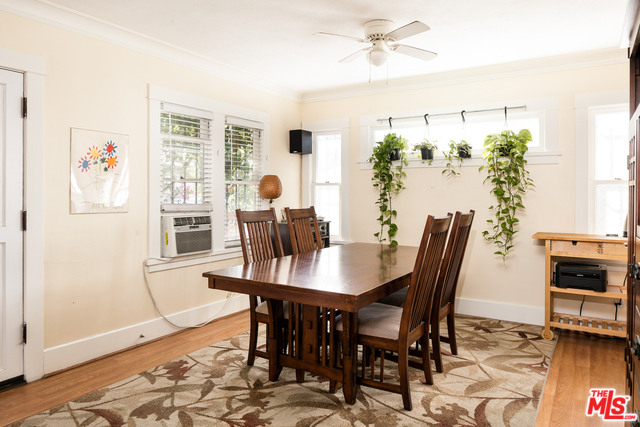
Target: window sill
(533, 158)
(186, 261)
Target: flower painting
(99, 172)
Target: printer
(590, 277)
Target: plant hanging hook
(390, 125)
(426, 120)
(505, 116)
(462, 114)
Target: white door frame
(33, 68)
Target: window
(242, 173)
(476, 128)
(186, 161)
(608, 175)
(327, 177)
(206, 156)
(539, 116)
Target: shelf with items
(588, 247)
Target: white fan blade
(356, 55)
(341, 36)
(416, 27)
(425, 55)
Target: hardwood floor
(580, 362)
(35, 397)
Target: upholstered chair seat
(263, 308)
(396, 299)
(377, 320)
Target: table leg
(350, 356)
(275, 338)
(548, 298)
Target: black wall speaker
(300, 141)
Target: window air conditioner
(185, 235)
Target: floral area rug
(495, 380)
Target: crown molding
(52, 14)
(71, 20)
(469, 75)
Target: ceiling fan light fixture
(378, 57)
(379, 54)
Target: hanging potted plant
(387, 179)
(464, 149)
(427, 149)
(457, 152)
(398, 146)
(506, 171)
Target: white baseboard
(73, 353)
(501, 311)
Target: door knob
(636, 271)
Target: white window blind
(243, 170)
(186, 173)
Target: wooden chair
(255, 238)
(389, 328)
(445, 293)
(300, 222)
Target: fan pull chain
(369, 68)
(387, 73)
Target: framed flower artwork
(99, 172)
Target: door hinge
(23, 220)
(24, 108)
(24, 333)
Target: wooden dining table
(318, 287)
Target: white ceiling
(274, 39)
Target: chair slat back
(300, 222)
(417, 307)
(454, 255)
(255, 235)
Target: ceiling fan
(383, 37)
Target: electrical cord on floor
(146, 282)
(583, 297)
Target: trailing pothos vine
(387, 178)
(457, 152)
(505, 165)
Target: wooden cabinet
(283, 227)
(560, 246)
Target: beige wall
(93, 263)
(94, 281)
(550, 207)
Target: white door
(11, 161)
